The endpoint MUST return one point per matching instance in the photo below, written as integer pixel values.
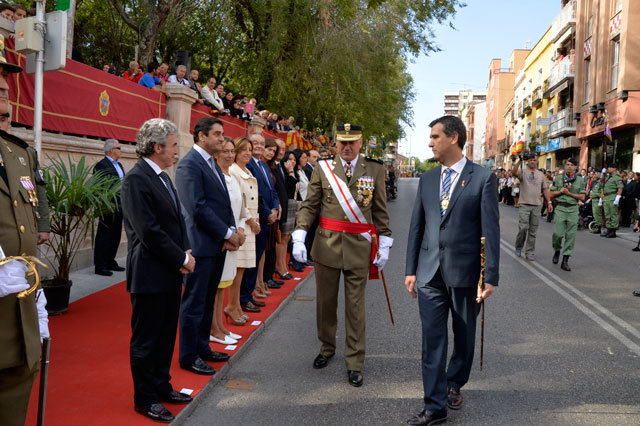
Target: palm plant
(76, 199)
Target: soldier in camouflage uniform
(611, 194)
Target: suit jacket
(452, 243)
(308, 170)
(281, 190)
(267, 196)
(337, 249)
(205, 204)
(156, 232)
(107, 166)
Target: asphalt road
(561, 348)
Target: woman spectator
(267, 262)
(515, 191)
(303, 180)
(225, 159)
(228, 102)
(246, 255)
(288, 164)
(502, 184)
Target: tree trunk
(71, 16)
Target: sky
(485, 29)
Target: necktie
(444, 192)
(347, 170)
(215, 170)
(167, 183)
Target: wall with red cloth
(233, 127)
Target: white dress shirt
(455, 175)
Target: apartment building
(455, 103)
(476, 120)
(607, 86)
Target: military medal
(444, 204)
(365, 190)
(22, 161)
(26, 183)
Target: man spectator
(109, 230)
(212, 230)
(134, 73)
(178, 77)
(288, 124)
(106, 68)
(24, 321)
(532, 188)
(268, 207)
(313, 157)
(628, 202)
(211, 97)
(19, 12)
(158, 256)
(323, 152)
(220, 90)
(195, 86)
(151, 80)
(163, 72)
(7, 11)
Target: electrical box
(55, 43)
(28, 38)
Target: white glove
(617, 200)
(600, 202)
(384, 245)
(604, 171)
(299, 250)
(43, 315)
(13, 278)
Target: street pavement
(561, 348)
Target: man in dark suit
(456, 205)
(212, 230)
(268, 212)
(158, 256)
(110, 226)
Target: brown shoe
(427, 419)
(454, 399)
(250, 307)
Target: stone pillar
(256, 125)
(180, 98)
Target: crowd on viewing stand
(15, 12)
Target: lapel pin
(463, 183)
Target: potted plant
(76, 199)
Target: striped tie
(444, 192)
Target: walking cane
(481, 286)
(384, 282)
(44, 370)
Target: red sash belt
(355, 228)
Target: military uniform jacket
(596, 190)
(612, 183)
(575, 188)
(336, 249)
(19, 333)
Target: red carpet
(89, 377)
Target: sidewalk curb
(228, 366)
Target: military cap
(613, 165)
(572, 161)
(7, 66)
(348, 132)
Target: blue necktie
(444, 192)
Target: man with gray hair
(178, 77)
(110, 225)
(158, 256)
(134, 73)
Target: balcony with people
(565, 19)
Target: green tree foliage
(322, 61)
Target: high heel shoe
(258, 292)
(264, 290)
(229, 318)
(286, 276)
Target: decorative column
(180, 98)
(256, 125)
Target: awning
(560, 88)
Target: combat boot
(612, 234)
(606, 235)
(556, 257)
(565, 263)
(597, 230)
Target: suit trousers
(15, 390)
(528, 227)
(251, 275)
(435, 300)
(196, 310)
(327, 287)
(154, 322)
(107, 240)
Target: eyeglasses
(116, 147)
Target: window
(615, 57)
(590, 26)
(587, 80)
(540, 77)
(617, 6)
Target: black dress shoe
(156, 412)
(636, 293)
(199, 367)
(355, 378)
(454, 399)
(273, 284)
(428, 419)
(116, 267)
(176, 397)
(636, 248)
(215, 356)
(258, 303)
(309, 262)
(321, 361)
(250, 307)
(277, 281)
(104, 272)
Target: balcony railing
(561, 71)
(546, 92)
(521, 109)
(537, 97)
(526, 105)
(562, 123)
(566, 17)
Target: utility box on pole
(55, 43)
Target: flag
(607, 129)
(519, 146)
(293, 138)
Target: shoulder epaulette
(374, 159)
(14, 139)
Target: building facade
(607, 86)
(456, 103)
(476, 120)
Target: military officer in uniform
(611, 194)
(596, 201)
(349, 192)
(567, 191)
(24, 320)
